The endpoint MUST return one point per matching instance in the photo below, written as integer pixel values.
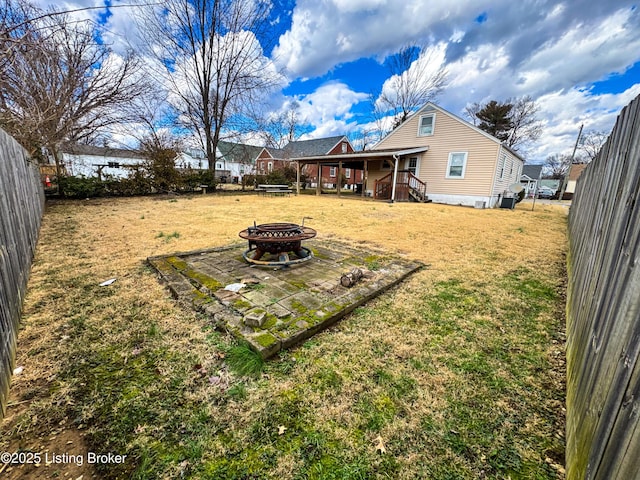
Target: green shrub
(81, 187)
(192, 179)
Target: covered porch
(398, 185)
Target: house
(233, 160)
(433, 156)
(575, 171)
(90, 161)
(237, 159)
(192, 159)
(531, 179)
(271, 159)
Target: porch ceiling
(356, 160)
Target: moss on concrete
(183, 267)
(265, 340)
(241, 305)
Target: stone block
(255, 317)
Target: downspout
(395, 177)
(297, 178)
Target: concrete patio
(277, 308)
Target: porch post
(395, 177)
(364, 177)
(319, 183)
(298, 178)
(339, 181)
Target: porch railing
(382, 187)
(417, 188)
(408, 187)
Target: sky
(578, 59)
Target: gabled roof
(534, 172)
(576, 170)
(430, 106)
(238, 152)
(312, 148)
(275, 153)
(79, 149)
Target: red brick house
(271, 159)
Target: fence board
(21, 208)
(603, 332)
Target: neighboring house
(238, 159)
(433, 156)
(271, 159)
(91, 161)
(233, 160)
(530, 179)
(575, 171)
(192, 159)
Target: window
(457, 165)
(344, 148)
(503, 159)
(412, 165)
(347, 173)
(332, 171)
(219, 166)
(426, 124)
(270, 167)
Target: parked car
(546, 192)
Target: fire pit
(279, 240)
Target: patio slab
(278, 308)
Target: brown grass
(403, 367)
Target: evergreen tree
(495, 119)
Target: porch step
(413, 196)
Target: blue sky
(578, 59)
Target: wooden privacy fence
(603, 323)
(21, 208)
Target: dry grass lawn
(456, 373)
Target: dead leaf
(380, 445)
(281, 429)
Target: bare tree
(277, 130)
(363, 138)
(212, 62)
(471, 111)
(417, 78)
(557, 166)
(526, 127)
(591, 143)
(59, 85)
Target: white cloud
(326, 33)
(330, 104)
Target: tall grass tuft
(242, 360)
